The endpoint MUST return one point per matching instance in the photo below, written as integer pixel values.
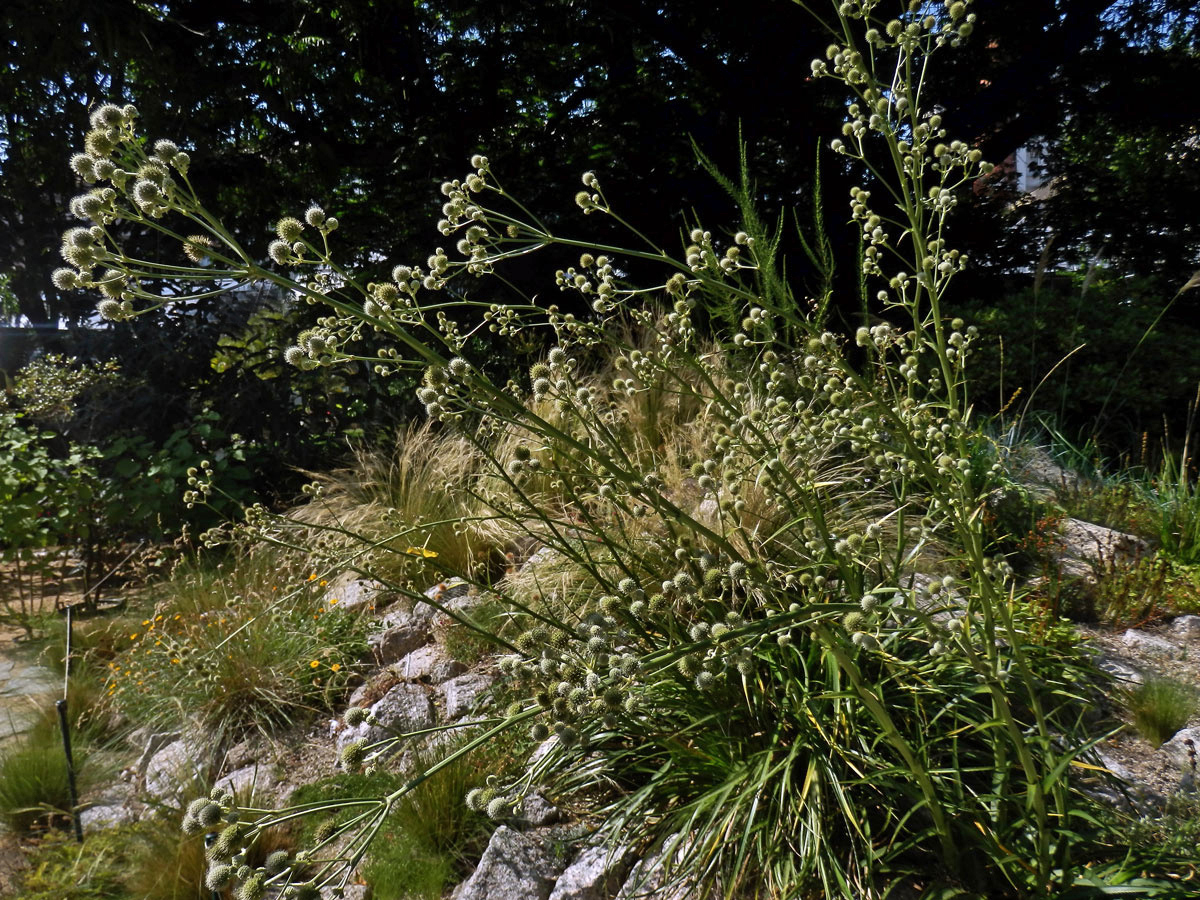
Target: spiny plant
(788, 667)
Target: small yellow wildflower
(314, 664)
(336, 667)
(133, 637)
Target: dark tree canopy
(366, 105)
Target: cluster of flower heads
(228, 854)
(131, 185)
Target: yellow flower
(323, 582)
(314, 664)
(133, 637)
(336, 667)
(333, 601)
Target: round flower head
(196, 247)
(276, 862)
(353, 754)
(314, 216)
(108, 115)
(279, 251)
(84, 166)
(65, 279)
(853, 621)
(459, 367)
(226, 842)
(254, 887)
(294, 356)
(209, 814)
(355, 715)
(165, 150)
(498, 808)
(477, 799)
(219, 877)
(100, 143)
(289, 229)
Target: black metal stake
(61, 706)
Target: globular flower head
(279, 251)
(107, 115)
(353, 754)
(110, 310)
(219, 877)
(84, 166)
(276, 862)
(254, 887)
(100, 143)
(477, 799)
(355, 715)
(165, 151)
(289, 229)
(498, 808)
(65, 279)
(315, 216)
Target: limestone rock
(393, 644)
(452, 594)
(597, 873)
(429, 663)
(461, 694)
(1082, 546)
(515, 865)
(536, 811)
(155, 741)
(249, 781)
(1187, 629)
(1149, 644)
(1180, 753)
(1037, 469)
(1119, 670)
(177, 767)
(406, 707)
(353, 593)
(117, 805)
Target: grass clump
(34, 789)
(1161, 706)
(245, 644)
(408, 515)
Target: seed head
(219, 877)
(108, 115)
(289, 229)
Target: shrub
(769, 638)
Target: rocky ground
(416, 683)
